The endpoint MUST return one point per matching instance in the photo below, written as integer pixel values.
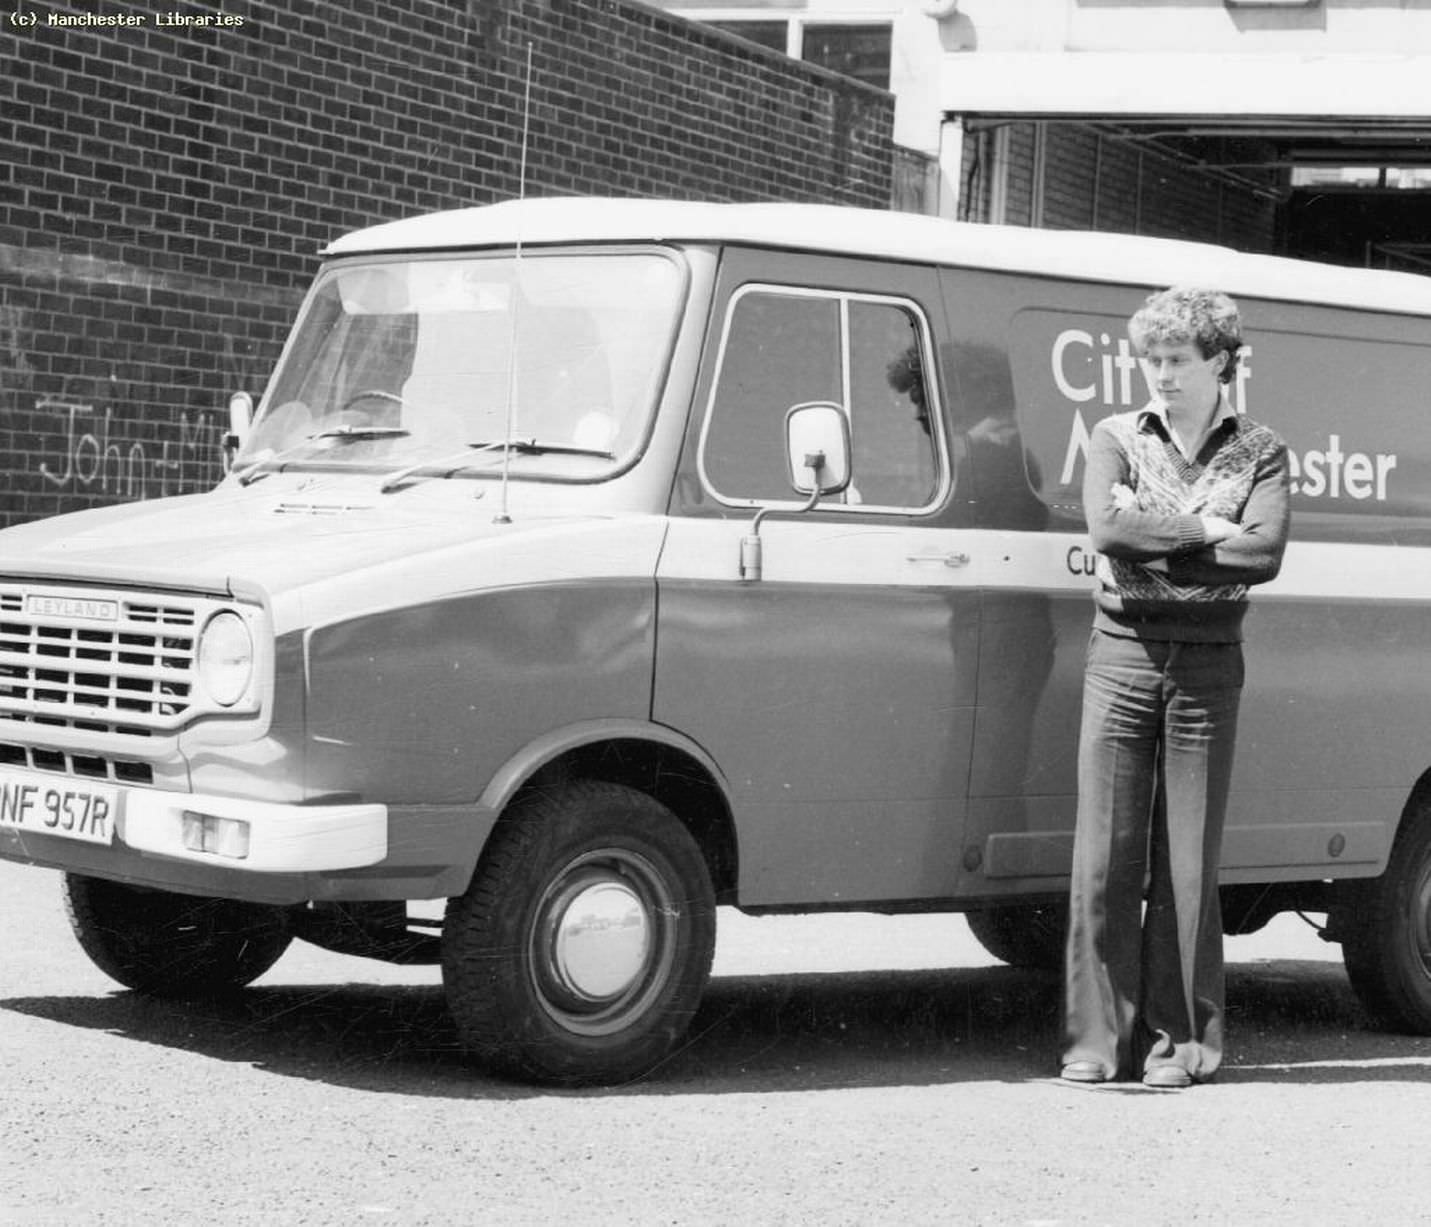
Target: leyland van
(588, 564)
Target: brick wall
(1019, 175)
(1094, 180)
(170, 186)
(1078, 177)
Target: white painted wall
(1328, 27)
(930, 37)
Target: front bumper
(39, 810)
(281, 838)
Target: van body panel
(892, 707)
(399, 689)
(1294, 837)
(1333, 643)
(849, 712)
(420, 704)
(535, 755)
(849, 669)
(311, 534)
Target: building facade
(168, 187)
(1294, 126)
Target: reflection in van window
(785, 348)
(889, 413)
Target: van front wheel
(172, 945)
(579, 953)
(1385, 927)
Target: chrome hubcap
(601, 941)
(604, 941)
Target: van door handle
(953, 559)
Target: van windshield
(404, 364)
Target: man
(1187, 505)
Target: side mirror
(817, 460)
(817, 448)
(240, 418)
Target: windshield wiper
(452, 463)
(250, 472)
(363, 432)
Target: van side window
(788, 347)
(780, 350)
(894, 461)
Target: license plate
(44, 805)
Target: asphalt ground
(844, 1070)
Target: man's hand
(1215, 529)
(1123, 497)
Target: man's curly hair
(1185, 315)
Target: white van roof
(1075, 254)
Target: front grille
(85, 766)
(96, 662)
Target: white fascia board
(1114, 84)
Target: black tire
(1385, 928)
(171, 945)
(536, 996)
(1023, 934)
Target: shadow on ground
(1288, 1021)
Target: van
(589, 564)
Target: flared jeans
(1144, 981)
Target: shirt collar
(1157, 410)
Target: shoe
(1083, 1071)
(1167, 1077)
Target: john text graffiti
(94, 458)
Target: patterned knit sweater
(1198, 593)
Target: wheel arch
(1349, 892)
(1384, 924)
(651, 758)
(1416, 807)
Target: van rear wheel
(1385, 929)
(1023, 934)
(579, 953)
(172, 945)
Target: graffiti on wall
(94, 459)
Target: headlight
(225, 659)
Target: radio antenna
(502, 516)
